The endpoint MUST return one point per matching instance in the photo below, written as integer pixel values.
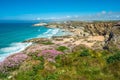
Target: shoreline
(90, 34)
(87, 48)
(24, 46)
(79, 37)
(28, 44)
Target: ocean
(13, 34)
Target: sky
(56, 9)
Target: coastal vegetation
(81, 64)
(62, 48)
(77, 57)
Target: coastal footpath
(92, 52)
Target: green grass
(47, 43)
(62, 48)
(81, 64)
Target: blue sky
(36, 9)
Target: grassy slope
(81, 64)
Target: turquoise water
(12, 35)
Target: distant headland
(91, 52)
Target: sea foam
(13, 48)
(18, 46)
(49, 33)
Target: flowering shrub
(50, 55)
(12, 62)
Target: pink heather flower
(12, 62)
(50, 55)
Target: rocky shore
(92, 50)
(86, 33)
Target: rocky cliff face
(99, 28)
(93, 28)
(112, 38)
(110, 30)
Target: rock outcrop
(40, 24)
(113, 39)
(100, 28)
(110, 31)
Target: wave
(18, 46)
(13, 48)
(49, 33)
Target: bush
(62, 48)
(3, 75)
(114, 58)
(47, 43)
(85, 52)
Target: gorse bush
(114, 58)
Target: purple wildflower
(12, 62)
(50, 55)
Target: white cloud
(103, 15)
(38, 18)
(103, 12)
(68, 16)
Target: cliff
(91, 53)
